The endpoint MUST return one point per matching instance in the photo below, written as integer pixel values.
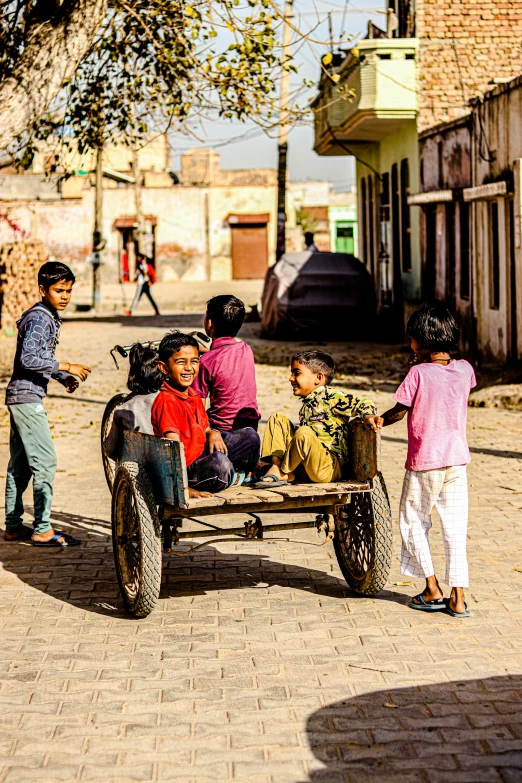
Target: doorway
(249, 246)
(344, 238)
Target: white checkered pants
(447, 490)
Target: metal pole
(98, 242)
(140, 233)
(283, 135)
(206, 219)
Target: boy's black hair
(145, 377)
(172, 342)
(434, 328)
(227, 314)
(317, 361)
(52, 272)
(309, 237)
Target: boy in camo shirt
(319, 446)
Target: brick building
(389, 89)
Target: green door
(344, 241)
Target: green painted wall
(403, 143)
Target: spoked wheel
(136, 539)
(109, 466)
(363, 539)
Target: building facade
(470, 206)
(201, 222)
(377, 100)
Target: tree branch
(55, 44)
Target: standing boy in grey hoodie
(31, 445)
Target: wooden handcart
(150, 508)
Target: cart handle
(123, 350)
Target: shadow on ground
(452, 731)
(360, 364)
(85, 576)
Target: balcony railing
(376, 94)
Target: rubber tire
(109, 465)
(133, 485)
(380, 519)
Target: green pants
(32, 453)
(299, 446)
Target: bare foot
(456, 601)
(431, 592)
(48, 535)
(275, 470)
(194, 493)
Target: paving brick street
(258, 663)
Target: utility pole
(282, 146)
(137, 196)
(98, 242)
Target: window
(405, 216)
(451, 270)
(371, 242)
(364, 222)
(465, 276)
(385, 189)
(396, 220)
(494, 258)
(430, 253)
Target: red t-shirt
(183, 414)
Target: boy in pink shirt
(227, 371)
(434, 394)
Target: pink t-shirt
(227, 375)
(437, 396)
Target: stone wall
(464, 44)
(19, 264)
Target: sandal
(428, 606)
(53, 542)
(453, 613)
(274, 481)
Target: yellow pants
(299, 446)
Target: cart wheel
(136, 539)
(109, 466)
(363, 539)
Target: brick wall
(464, 44)
(19, 265)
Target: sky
(260, 151)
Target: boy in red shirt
(178, 413)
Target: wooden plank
(266, 495)
(195, 503)
(300, 490)
(365, 452)
(237, 496)
(345, 486)
(164, 461)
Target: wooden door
(249, 251)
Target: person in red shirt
(213, 459)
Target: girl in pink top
(434, 394)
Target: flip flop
(428, 606)
(274, 482)
(239, 478)
(452, 613)
(53, 542)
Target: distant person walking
(309, 242)
(145, 278)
